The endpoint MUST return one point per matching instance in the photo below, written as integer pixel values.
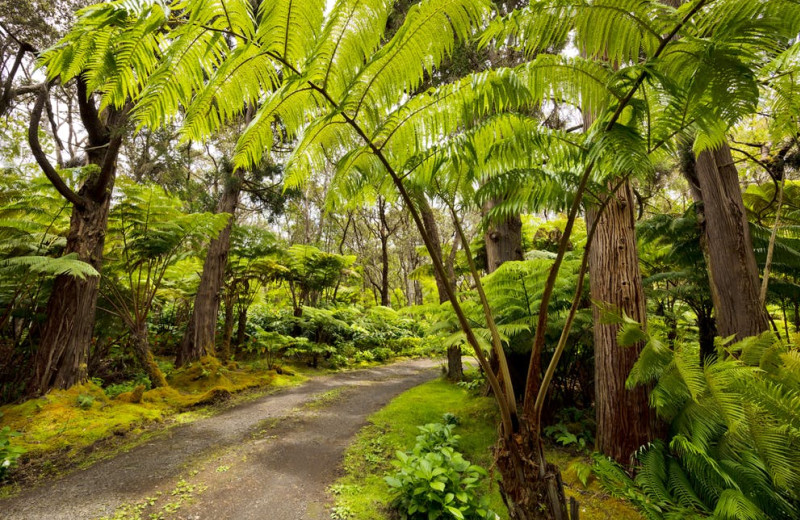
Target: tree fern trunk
(503, 241)
(531, 487)
(625, 420)
(227, 327)
(199, 338)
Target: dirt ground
(268, 459)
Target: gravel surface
(268, 459)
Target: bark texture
(625, 420)
(531, 487)
(732, 267)
(199, 338)
(62, 356)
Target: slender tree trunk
(141, 346)
(241, 327)
(625, 420)
(732, 267)
(455, 369)
(62, 357)
(707, 331)
(199, 338)
(385, 296)
(531, 487)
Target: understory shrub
(435, 481)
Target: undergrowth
(363, 494)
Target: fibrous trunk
(198, 340)
(227, 328)
(625, 420)
(732, 267)
(503, 241)
(531, 487)
(62, 357)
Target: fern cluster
(733, 450)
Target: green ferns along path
(269, 458)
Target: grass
(362, 493)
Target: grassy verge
(362, 493)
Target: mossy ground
(362, 493)
(65, 426)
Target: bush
(8, 454)
(435, 481)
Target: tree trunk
(732, 267)
(385, 296)
(531, 487)
(625, 420)
(241, 327)
(707, 331)
(62, 357)
(141, 346)
(455, 369)
(198, 340)
(503, 241)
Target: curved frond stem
(771, 248)
(532, 386)
(487, 311)
(562, 340)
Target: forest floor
(270, 458)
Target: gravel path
(268, 459)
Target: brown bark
(732, 267)
(62, 356)
(384, 234)
(241, 327)
(531, 487)
(625, 420)
(199, 338)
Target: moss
(56, 423)
(363, 494)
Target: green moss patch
(65, 423)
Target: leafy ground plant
(436, 481)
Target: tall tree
(200, 335)
(625, 421)
(62, 356)
(337, 92)
(455, 369)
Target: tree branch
(38, 154)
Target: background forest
(596, 199)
